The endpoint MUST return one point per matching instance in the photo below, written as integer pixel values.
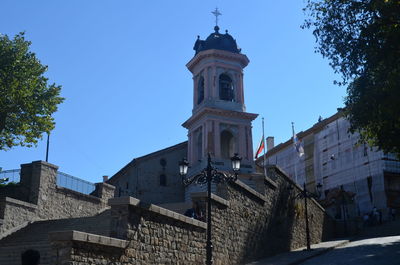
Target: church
(137, 216)
(219, 125)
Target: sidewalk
(300, 255)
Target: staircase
(35, 236)
(389, 228)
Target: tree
(361, 40)
(27, 101)
(3, 180)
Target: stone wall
(153, 235)
(246, 225)
(14, 213)
(79, 248)
(257, 225)
(38, 188)
(157, 235)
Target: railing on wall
(11, 175)
(63, 180)
(74, 183)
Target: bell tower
(219, 124)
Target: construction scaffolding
(335, 158)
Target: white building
(334, 158)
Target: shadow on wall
(279, 227)
(282, 228)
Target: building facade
(153, 178)
(334, 158)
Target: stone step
(35, 236)
(97, 225)
(389, 228)
(11, 255)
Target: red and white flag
(260, 147)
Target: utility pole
(47, 148)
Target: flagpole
(295, 170)
(265, 170)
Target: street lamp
(308, 195)
(208, 175)
(183, 167)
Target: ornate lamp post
(308, 195)
(209, 175)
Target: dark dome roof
(217, 41)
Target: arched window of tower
(226, 88)
(200, 90)
(227, 144)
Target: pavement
(301, 255)
(370, 251)
(374, 245)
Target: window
(163, 180)
(163, 162)
(200, 90)
(225, 88)
(227, 144)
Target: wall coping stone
(105, 184)
(250, 190)
(76, 193)
(130, 201)
(271, 183)
(216, 198)
(318, 205)
(15, 229)
(123, 200)
(283, 173)
(41, 162)
(19, 202)
(73, 235)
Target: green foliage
(3, 180)
(361, 39)
(9, 184)
(26, 99)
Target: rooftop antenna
(216, 14)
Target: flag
(298, 145)
(260, 147)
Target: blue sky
(121, 65)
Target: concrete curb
(299, 256)
(318, 253)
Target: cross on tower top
(216, 14)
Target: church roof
(115, 177)
(217, 41)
